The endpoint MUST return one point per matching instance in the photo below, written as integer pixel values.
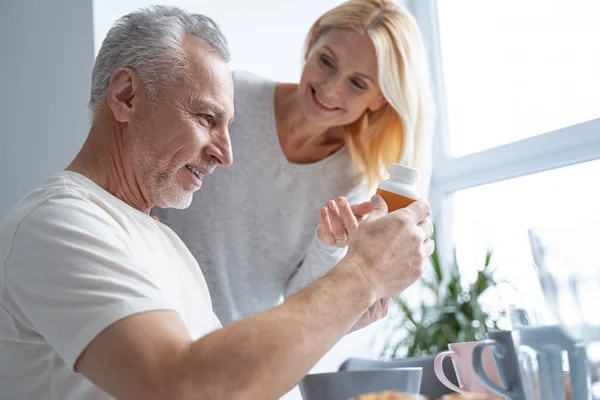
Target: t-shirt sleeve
(71, 273)
(319, 259)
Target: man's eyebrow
(214, 109)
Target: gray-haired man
(99, 300)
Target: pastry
(389, 395)
(470, 396)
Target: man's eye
(207, 118)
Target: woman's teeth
(324, 103)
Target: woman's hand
(339, 221)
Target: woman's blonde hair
(401, 130)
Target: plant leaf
(406, 310)
(431, 285)
(488, 258)
(435, 262)
(448, 311)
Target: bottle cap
(404, 172)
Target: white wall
(265, 36)
(46, 61)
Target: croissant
(389, 395)
(469, 396)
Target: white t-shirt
(73, 260)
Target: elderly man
(99, 300)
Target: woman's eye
(359, 84)
(326, 62)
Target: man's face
(184, 136)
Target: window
(499, 215)
(515, 69)
(518, 131)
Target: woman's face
(339, 81)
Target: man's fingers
(418, 211)
(427, 228)
(361, 210)
(428, 247)
(378, 207)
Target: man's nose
(220, 150)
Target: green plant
(450, 311)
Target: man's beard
(164, 191)
(160, 180)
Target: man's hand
(376, 312)
(389, 250)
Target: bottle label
(394, 201)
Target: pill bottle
(400, 189)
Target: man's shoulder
(59, 204)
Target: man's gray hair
(149, 41)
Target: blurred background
(517, 145)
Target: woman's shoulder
(252, 90)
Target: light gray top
(252, 227)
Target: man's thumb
(379, 207)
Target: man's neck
(103, 160)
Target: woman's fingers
(325, 233)
(337, 226)
(347, 216)
(339, 220)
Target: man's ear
(378, 103)
(124, 94)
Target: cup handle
(439, 371)
(480, 372)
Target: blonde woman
(363, 102)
